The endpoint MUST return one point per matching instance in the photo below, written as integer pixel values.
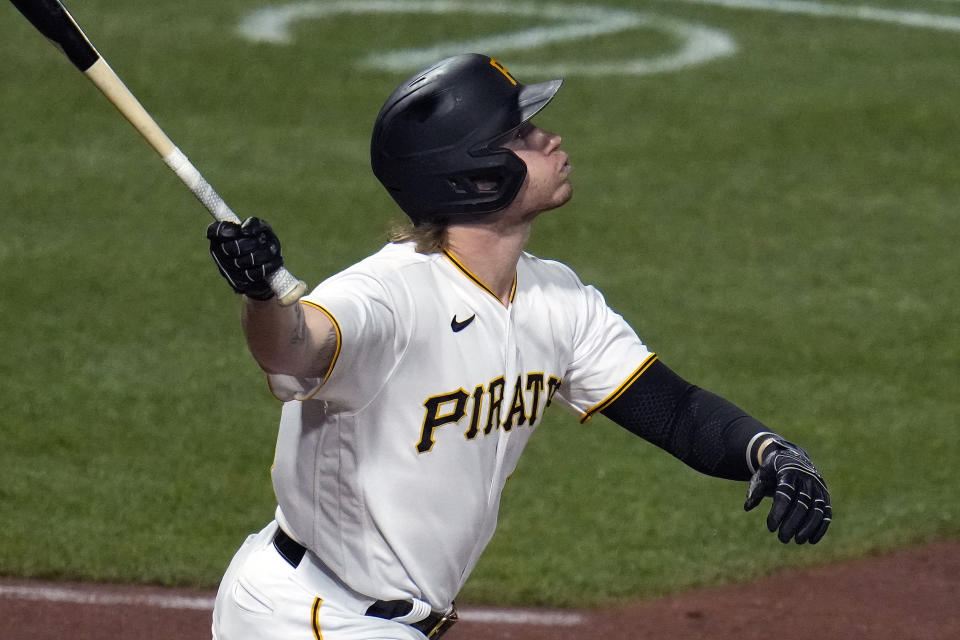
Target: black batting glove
(246, 255)
(801, 503)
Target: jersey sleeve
(607, 355)
(362, 313)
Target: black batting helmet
(436, 141)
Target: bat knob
(287, 287)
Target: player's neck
(490, 251)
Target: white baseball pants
(263, 597)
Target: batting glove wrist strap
(801, 502)
(246, 255)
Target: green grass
(780, 226)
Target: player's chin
(563, 194)
(559, 197)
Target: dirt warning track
(909, 595)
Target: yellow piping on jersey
(478, 281)
(315, 618)
(619, 391)
(336, 353)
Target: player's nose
(550, 141)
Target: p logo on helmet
(502, 69)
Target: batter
(413, 379)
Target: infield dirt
(912, 594)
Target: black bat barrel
(54, 21)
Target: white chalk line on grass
(198, 603)
(938, 22)
(694, 44)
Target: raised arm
(298, 340)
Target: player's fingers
(236, 247)
(827, 519)
(762, 484)
(257, 228)
(223, 230)
(795, 518)
(260, 272)
(257, 257)
(783, 500)
(812, 523)
(818, 510)
(254, 225)
(755, 492)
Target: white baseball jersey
(390, 468)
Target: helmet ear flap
(489, 188)
(513, 177)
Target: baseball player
(413, 379)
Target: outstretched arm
(297, 340)
(717, 438)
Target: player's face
(547, 185)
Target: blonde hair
(428, 237)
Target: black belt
(433, 626)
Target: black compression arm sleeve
(700, 428)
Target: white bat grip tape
(188, 173)
(288, 287)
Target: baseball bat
(53, 20)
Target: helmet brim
(534, 97)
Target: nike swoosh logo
(460, 325)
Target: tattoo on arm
(300, 327)
(326, 352)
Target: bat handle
(287, 286)
(284, 284)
